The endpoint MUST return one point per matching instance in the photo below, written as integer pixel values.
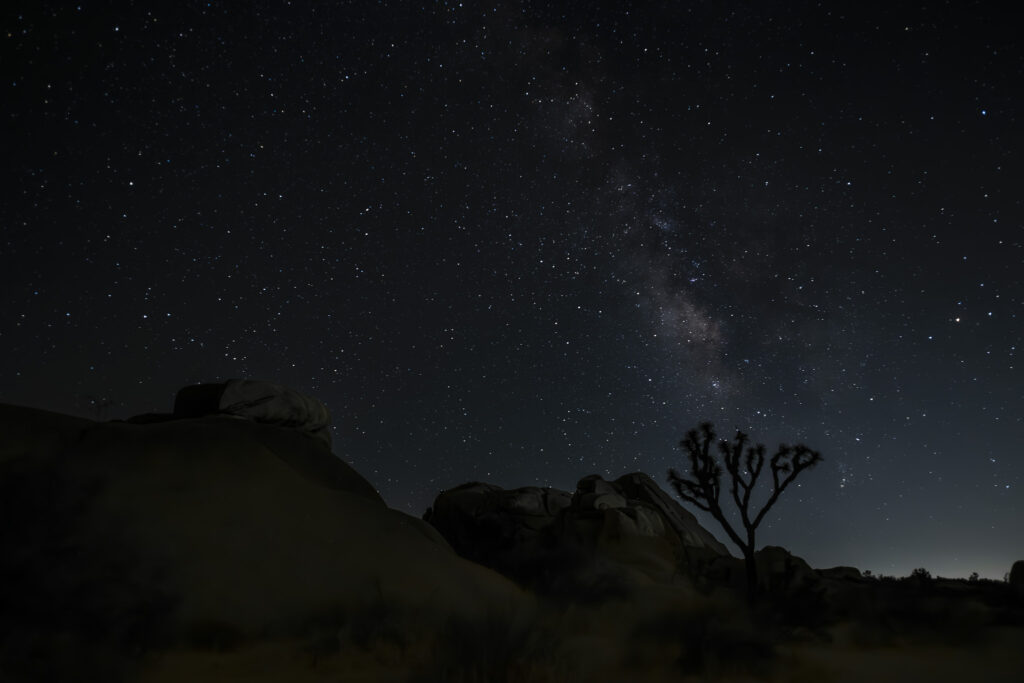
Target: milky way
(508, 244)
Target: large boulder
(841, 573)
(632, 523)
(1017, 576)
(609, 532)
(120, 539)
(778, 571)
(492, 526)
(259, 401)
(640, 488)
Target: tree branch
(745, 464)
(792, 461)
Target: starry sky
(526, 242)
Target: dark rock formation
(120, 539)
(258, 401)
(1017, 576)
(778, 571)
(840, 573)
(641, 488)
(495, 527)
(605, 532)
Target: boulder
(633, 523)
(493, 526)
(258, 401)
(778, 571)
(840, 573)
(120, 540)
(640, 487)
(548, 538)
(1017, 576)
(594, 493)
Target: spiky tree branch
(744, 463)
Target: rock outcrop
(778, 571)
(840, 573)
(120, 538)
(492, 526)
(607, 532)
(1017, 576)
(258, 401)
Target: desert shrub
(496, 648)
(374, 625)
(570, 573)
(917, 611)
(718, 639)
(806, 608)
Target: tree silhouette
(702, 486)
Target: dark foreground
(220, 549)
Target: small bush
(496, 649)
(367, 627)
(717, 639)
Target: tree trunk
(748, 557)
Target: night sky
(521, 244)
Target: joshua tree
(702, 485)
